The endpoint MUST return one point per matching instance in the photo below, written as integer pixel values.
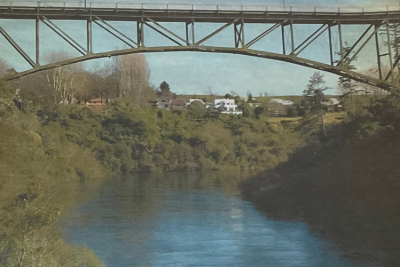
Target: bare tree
(132, 76)
(66, 81)
(4, 68)
(369, 89)
(209, 91)
(234, 93)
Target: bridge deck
(203, 13)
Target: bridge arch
(341, 71)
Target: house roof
(178, 102)
(97, 99)
(192, 100)
(223, 101)
(334, 101)
(331, 102)
(281, 101)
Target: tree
(5, 68)
(66, 81)
(369, 89)
(237, 99)
(346, 86)
(209, 91)
(247, 110)
(196, 109)
(258, 111)
(132, 75)
(250, 98)
(164, 88)
(229, 96)
(393, 30)
(314, 96)
(104, 82)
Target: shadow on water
(348, 196)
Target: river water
(189, 219)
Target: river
(189, 219)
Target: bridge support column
(37, 42)
(340, 41)
(283, 40)
(291, 36)
(89, 36)
(389, 46)
(190, 33)
(239, 34)
(378, 52)
(330, 44)
(286, 36)
(140, 33)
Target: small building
(178, 104)
(164, 100)
(97, 102)
(227, 106)
(278, 107)
(164, 103)
(332, 105)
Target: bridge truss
(380, 23)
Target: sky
(196, 72)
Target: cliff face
(348, 192)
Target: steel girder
(290, 50)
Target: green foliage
(357, 166)
(196, 109)
(258, 111)
(40, 174)
(7, 106)
(247, 110)
(63, 145)
(164, 89)
(127, 139)
(312, 105)
(229, 96)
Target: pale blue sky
(194, 72)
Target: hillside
(349, 182)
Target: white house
(226, 106)
(281, 101)
(164, 103)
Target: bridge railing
(379, 7)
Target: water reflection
(192, 219)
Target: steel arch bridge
(379, 20)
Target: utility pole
(284, 6)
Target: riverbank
(128, 139)
(47, 152)
(40, 181)
(346, 189)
